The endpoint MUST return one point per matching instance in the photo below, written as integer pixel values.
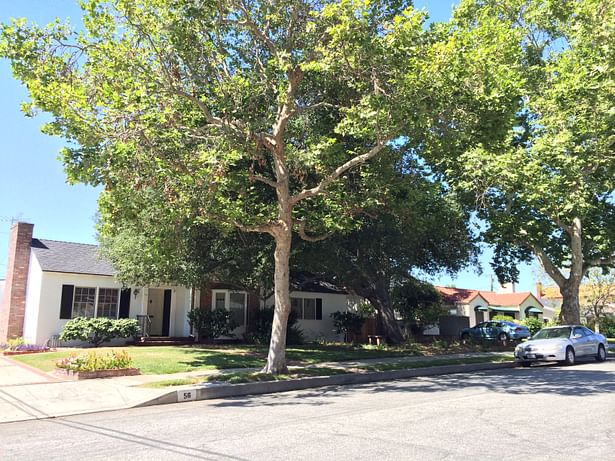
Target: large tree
(421, 229)
(245, 114)
(548, 191)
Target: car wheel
(526, 364)
(502, 337)
(601, 355)
(465, 337)
(570, 356)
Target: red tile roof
(464, 296)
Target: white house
(49, 282)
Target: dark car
(501, 330)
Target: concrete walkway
(13, 373)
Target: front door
(159, 311)
(166, 312)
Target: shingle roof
(69, 257)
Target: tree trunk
(276, 359)
(382, 302)
(570, 313)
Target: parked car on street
(501, 330)
(562, 344)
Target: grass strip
(252, 377)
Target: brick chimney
(13, 307)
(539, 291)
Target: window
(96, 302)
(307, 308)
(84, 302)
(107, 303)
(235, 302)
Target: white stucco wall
(45, 294)
(331, 302)
(33, 296)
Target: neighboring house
(49, 282)
(551, 297)
(480, 306)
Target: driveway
(546, 413)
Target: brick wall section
(14, 300)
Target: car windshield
(550, 333)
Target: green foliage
(211, 324)
(98, 330)
(260, 331)
(534, 324)
(607, 326)
(94, 361)
(417, 302)
(545, 188)
(347, 322)
(261, 116)
(506, 318)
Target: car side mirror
(577, 336)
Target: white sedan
(562, 344)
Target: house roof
(456, 295)
(69, 257)
(464, 296)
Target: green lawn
(175, 359)
(250, 377)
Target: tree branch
(548, 266)
(309, 238)
(263, 229)
(269, 182)
(358, 160)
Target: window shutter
(66, 303)
(124, 304)
(318, 308)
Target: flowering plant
(93, 361)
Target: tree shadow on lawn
(565, 381)
(221, 359)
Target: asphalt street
(546, 412)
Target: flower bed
(75, 375)
(18, 347)
(96, 365)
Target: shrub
(98, 330)
(534, 324)
(261, 333)
(347, 322)
(211, 324)
(506, 318)
(607, 326)
(93, 361)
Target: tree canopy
(261, 116)
(549, 189)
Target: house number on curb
(186, 396)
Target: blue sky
(32, 182)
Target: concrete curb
(217, 391)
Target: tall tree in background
(549, 189)
(252, 115)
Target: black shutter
(66, 304)
(124, 304)
(318, 308)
